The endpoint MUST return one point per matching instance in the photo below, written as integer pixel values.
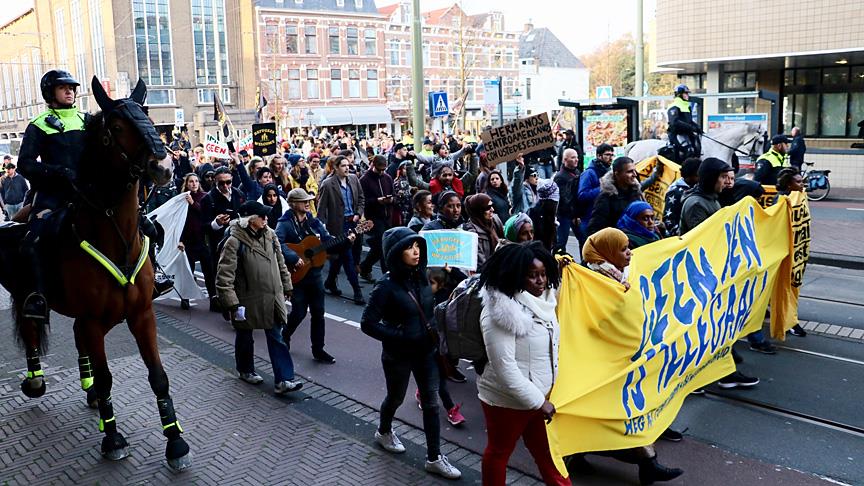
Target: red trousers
(504, 426)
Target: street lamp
(517, 96)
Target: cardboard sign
(524, 136)
(264, 139)
(455, 248)
(214, 148)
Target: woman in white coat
(520, 331)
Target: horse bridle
(137, 161)
(735, 149)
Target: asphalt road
(815, 383)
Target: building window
(205, 96)
(335, 83)
(311, 34)
(207, 28)
(157, 97)
(340, 3)
(153, 42)
(97, 40)
(696, 82)
(291, 39)
(824, 102)
(60, 29)
(78, 41)
(370, 41)
(312, 84)
(28, 92)
(358, 4)
(334, 40)
(293, 84)
(271, 38)
(351, 41)
(425, 54)
(353, 83)
(395, 56)
(528, 89)
(372, 83)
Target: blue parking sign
(438, 105)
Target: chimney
(528, 27)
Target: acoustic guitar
(313, 253)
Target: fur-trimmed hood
(516, 314)
(607, 185)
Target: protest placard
(452, 247)
(524, 136)
(768, 196)
(264, 139)
(245, 143)
(214, 148)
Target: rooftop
(349, 6)
(547, 50)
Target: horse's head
(127, 130)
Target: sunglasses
(223, 183)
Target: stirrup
(35, 307)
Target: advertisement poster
(604, 126)
(454, 248)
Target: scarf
(514, 225)
(598, 248)
(629, 224)
(542, 307)
(476, 205)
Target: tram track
(785, 412)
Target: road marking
(855, 209)
(334, 317)
(352, 323)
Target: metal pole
(217, 53)
(417, 73)
(640, 52)
(500, 101)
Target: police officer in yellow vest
(56, 138)
(683, 131)
(768, 165)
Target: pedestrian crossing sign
(438, 105)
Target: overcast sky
(582, 25)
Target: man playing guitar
(294, 226)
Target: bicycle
(816, 183)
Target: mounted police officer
(56, 138)
(683, 131)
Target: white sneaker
(389, 442)
(443, 468)
(252, 378)
(286, 386)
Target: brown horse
(100, 288)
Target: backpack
(241, 248)
(458, 320)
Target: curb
(836, 260)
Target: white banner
(214, 148)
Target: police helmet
(681, 89)
(52, 79)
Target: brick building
(460, 52)
(321, 62)
(170, 45)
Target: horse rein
(752, 149)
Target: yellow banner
(655, 194)
(628, 359)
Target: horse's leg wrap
(33, 385)
(114, 445)
(170, 425)
(85, 372)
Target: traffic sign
(438, 104)
(603, 92)
(179, 117)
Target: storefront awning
(340, 115)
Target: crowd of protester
(247, 215)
